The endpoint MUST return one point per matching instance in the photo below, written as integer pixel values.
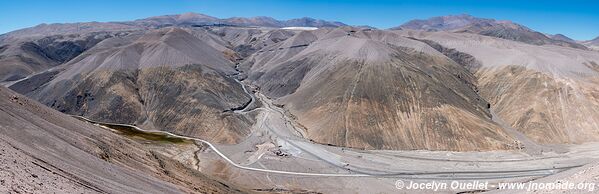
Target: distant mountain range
(560, 37)
(488, 27)
(180, 20)
(195, 19)
(454, 23)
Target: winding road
(223, 156)
(474, 175)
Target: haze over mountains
(450, 83)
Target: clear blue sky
(578, 19)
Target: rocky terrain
(146, 80)
(374, 89)
(23, 56)
(547, 92)
(593, 44)
(32, 50)
(587, 175)
(45, 151)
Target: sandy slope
(23, 56)
(488, 27)
(167, 79)
(164, 47)
(375, 89)
(44, 150)
(547, 92)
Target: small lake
(134, 133)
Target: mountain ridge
(191, 19)
(186, 19)
(366, 88)
(593, 44)
(505, 29)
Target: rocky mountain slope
(32, 50)
(165, 79)
(246, 41)
(43, 30)
(561, 37)
(593, 44)
(488, 27)
(45, 151)
(377, 90)
(547, 92)
(23, 56)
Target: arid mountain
(181, 20)
(444, 23)
(253, 21)
(175, 20)
(488, 27)
(45, 151)
(43, 30)
(561, 37)
(20, 57)
(165, 79)
(133, 79)
(549, 93)
(311, 22)
(593, 44)
(353, 87)
(36, 49)
(377, 90)
(246, 41)
(195, 19)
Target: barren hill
(377, 90)
(165, 79)
(23, 56)
(548, 92)
(593, 44)
(44, 151)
